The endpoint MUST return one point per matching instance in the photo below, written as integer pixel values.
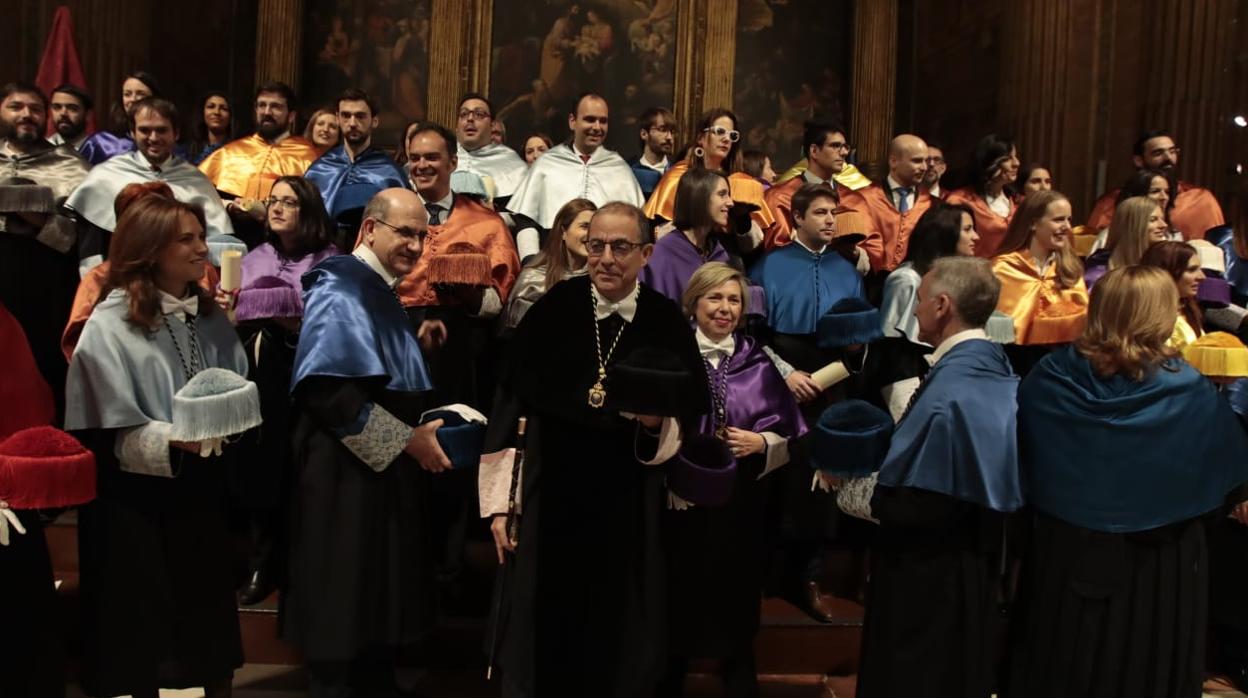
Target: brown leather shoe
(815, 603)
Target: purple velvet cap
(1214, 292)
(703, 471)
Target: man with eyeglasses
(658, 128)
(936, 168)
(153, 126)
(893, 207)
(359, 601)
(244, 170)
(349, 174)
(582, 168)
(826, 149)
(1196, 209)
(478, 153)
(585, 597)
(846, 173)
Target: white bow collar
(626, 309)
(713, 351)
(179, 306)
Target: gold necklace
(597, 392)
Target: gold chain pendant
(597, 395)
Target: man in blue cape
(950, 477)
(349, 174)
(359, 597)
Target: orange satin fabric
(1042, 312)
(88, 294)
(894, 228)
(744, 189)
(990, 226)
(472, 222)
(1196, 210)
(248, 167)
(779, 200)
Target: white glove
(210, 447)
(676, 502)
(7, 517)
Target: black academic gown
(1119, 610)
(31, 648)
(155, 557)
(584, 608)
(261, 483)
(360, 575)
(934, 566)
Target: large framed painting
(379, 46)
(792, 65)
(546, 52)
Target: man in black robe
(585, 601)
(359, 600)
(949, 480)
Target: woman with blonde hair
(1138, 222)
(1118, 565)
(717, 554)
(1042, 286)
(322, 129)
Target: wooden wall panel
(189, 47)
(1075, 81)
(1047, 99)
(957, 50)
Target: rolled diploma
(231, 275)
(231, 270)
(830, 375)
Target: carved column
(874, 83)
(279, 41)
(706, 46)
(459, 54)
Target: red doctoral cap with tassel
(41, 467)
(60, 64)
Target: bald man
(895, 205)
(361, 580)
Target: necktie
(903, 199)
(435, 213)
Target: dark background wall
(189, 46)
(1074, 81)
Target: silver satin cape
(496, 161)
(38, 183)
(559, 176)
(93, 199)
